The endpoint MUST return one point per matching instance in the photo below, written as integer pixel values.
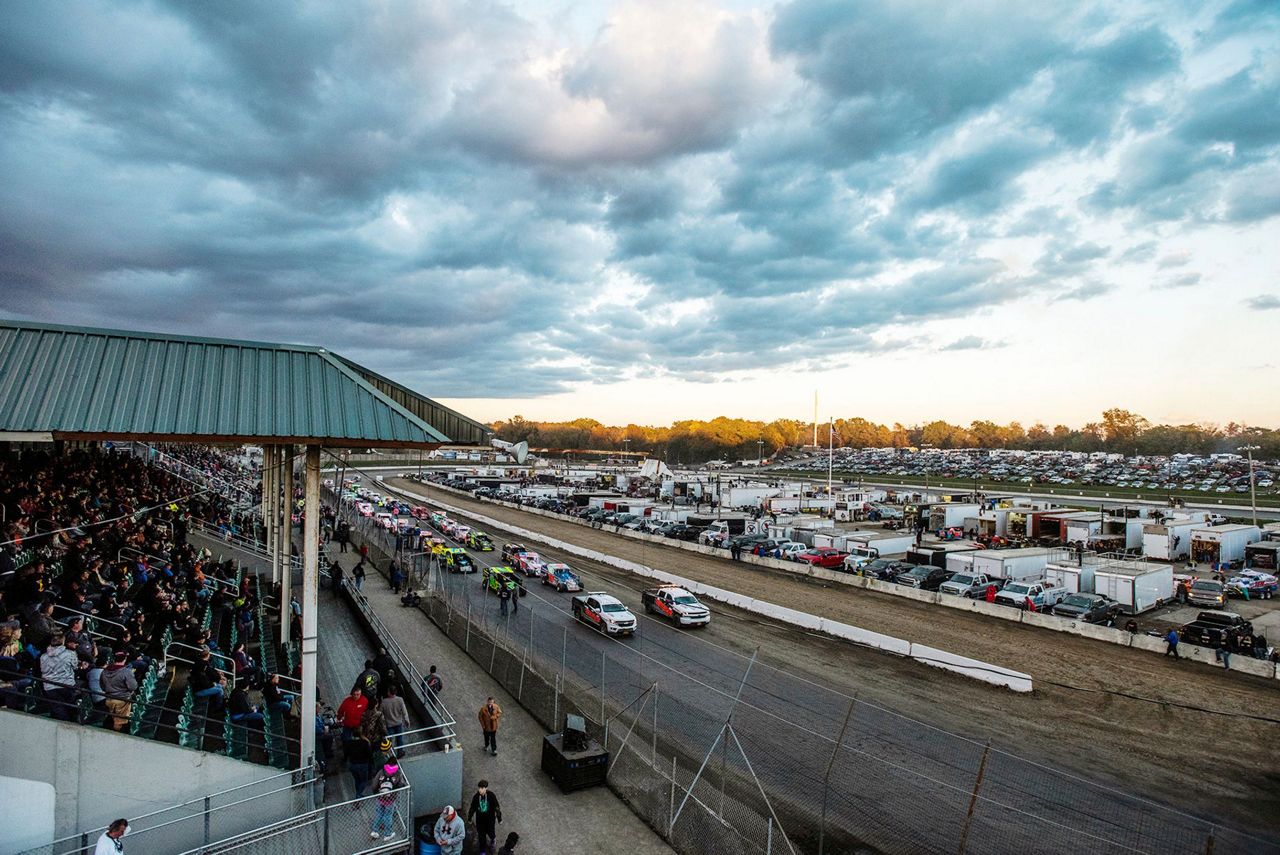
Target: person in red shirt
(351, 713)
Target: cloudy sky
(648, 211)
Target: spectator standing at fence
(490, 714)
(357, 573)
(514, 587)
(343, 535)
(484, 814)
(504, 597)
(351, 713)
(1171, 642)
(388, 780)
(359, 754)
(118, 684)
(112, 840)
(58, 666)
(364, 552)
(450, 832)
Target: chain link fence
(789, 766)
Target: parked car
(884, 569)
(683, 531)
(1089, 608)
(1208, 628)
(823, 556)
(967, 584)
(1207, 592)
(924, 577)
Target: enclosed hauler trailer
(887, 544)
(1013, 564)
(951, 514)
(1263, 556)
(960, 562)
(936, 554)
(1136, 585)
(1222, 543)
(1071, 575)
(1168, 541)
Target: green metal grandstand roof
(77, 383)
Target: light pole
(831, 455)
(925, 463)
(1253, 490)
(759, 452)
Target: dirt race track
(1178, 732)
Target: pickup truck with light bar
(604, 613)
(677, 605)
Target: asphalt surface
(889, 766)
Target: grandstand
(160, 656)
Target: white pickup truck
(604, 612)
(968, 584)
(1042, 593)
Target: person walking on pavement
(504, 597)
(358, 575)
(343, 535)
(515, 595)
(433, 681)
(367, 681)
(396, 715)
(489, 716)
(1223, 652)
(450, 832)
(484, 814)
(1172, 641)
(509, 848)
(385, 784)
(335, 576)
(351, 713)
(359, 755)
(397, 577)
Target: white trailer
(1013, 564)
(750, 496)
(886, 544)
(1221, 543)
(797, 504)
(951, 514)
(960, 562)
(1074, 578)
(1170, 541)
(1136, 585)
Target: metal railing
(444, 728)
(90, 618)
(339, 828)
(83, 842)
(164, 661)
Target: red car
(420, 513)
(823, 556)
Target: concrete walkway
(547, 820)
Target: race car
(561, 577)
(605, 613)
(676, 604)
(385, 520)
(479, 540)
(1252, 584)
(511, 550)
(492, 578)
(365, 509)
(457, 560)
(529, 563)
(461, 533)
(420, 513)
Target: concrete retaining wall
(1239, 664)
(968, 667)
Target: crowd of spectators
(99, 538)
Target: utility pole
(831, 452)
(1253, 489)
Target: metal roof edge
(11, 323)
(347, 368)
(355, 365)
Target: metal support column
(270, 507)
(286, 537)
(310, 603)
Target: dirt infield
(1181, 732)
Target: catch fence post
(466, 643)
(206, 820)
(671, 810)
(602, 715)
(655, 725)
(973, 800)
(826, 780)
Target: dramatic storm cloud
(511, 201)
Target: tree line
(693, 440)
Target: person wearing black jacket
(486, 813)
(206, 682)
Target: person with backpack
(433, 681)
(358, 574)
(485, 813)
(385, 786)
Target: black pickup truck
(1208, 628)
